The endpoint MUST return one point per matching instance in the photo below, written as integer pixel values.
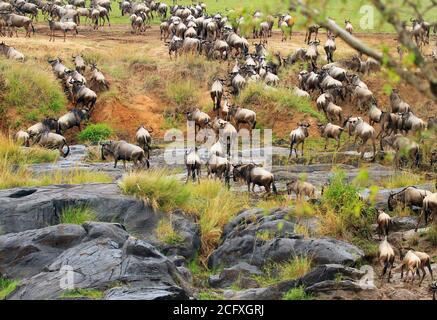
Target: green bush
(96, 132)
(77, 215)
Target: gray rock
(190, 234)
(33, 208)
(330, 272)
(26, 253)
(235, 273)
(321, 251)
(147, 293)
(101, 263)
(403, 223)
(332, 285)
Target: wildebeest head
(106, 148)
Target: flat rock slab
(94, 256)
(33, 208)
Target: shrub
(343, 212)
(77, 215)
(96, 132)
(7, 286)
(402, 179)
(297, 294)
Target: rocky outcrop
(240, 274)
(240, 242)
(94, 256)
(33, 208)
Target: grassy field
(339, 10)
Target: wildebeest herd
(192, 30)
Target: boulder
(241, 272)
(147, 293)
(33, 208)
(99, 264)
(189, 231)
(330, 272)
(26, 253)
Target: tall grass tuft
(167, 234)
(288, 270)
(77, 215)
(402, 179)
(210, 202)
(14, 154)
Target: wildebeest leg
(124, 164)
(65, 35)
(115, 161)
(303, 143)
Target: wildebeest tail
(33, 28)
(254, 125)
(68, 149)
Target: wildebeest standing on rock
(121, 150)
(193, 164)
(253, 175)
(407, 197)
(298, 136)
(144, 139)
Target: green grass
(13, 154)
(96, 132)
(33, 92)
(210, 295)
(7, 286)
(279, 101)
(402, 179)
(297, 294)
(83, 293)
(277, 272)
(77, 215)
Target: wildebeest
(241, 115)
(122, 150)
(362, 130)
(11, 52)
(98, 80)
(58, 67)
(62, 26)
(79, 63)
(300, 188)
(45, 125)
(193, 164)
(403, 147)
(14, 21)
(216, 94)
(298, 136)
(407, 197)
(23, 138)
(71, 119)
(52, 140)
(144, 139)
(253, 175)
(83, 95)
(429, 208)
